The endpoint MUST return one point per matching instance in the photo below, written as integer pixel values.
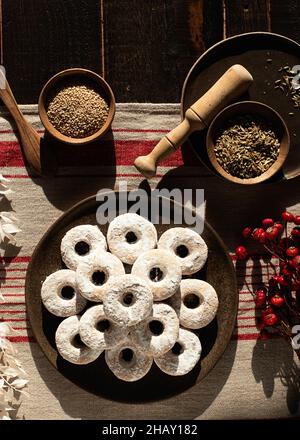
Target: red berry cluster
(280, 298)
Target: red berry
(260, 298)
(267, 311)
(262, 237)
(272, 233)
(257, 232)
(277, 300)
(267, 222)
(278, 226)
(287, 272)
(280, 280)
(241, 253)
(292, 251)
(270, 319)
(247, 232)
(296, 261)
(297, 220)
(295, 233)
(288, 217)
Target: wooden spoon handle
(30, 139)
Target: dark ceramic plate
(96, 377)
(262, 54)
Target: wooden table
(144, 48)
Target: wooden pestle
(232, 84)
(30, 139)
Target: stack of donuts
(139, 315)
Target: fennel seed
(247, 147)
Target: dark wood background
(144, 48)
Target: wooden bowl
(259, 110)
(90, 78)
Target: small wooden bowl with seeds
(77, 106)
(248, 142)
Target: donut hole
(128, 299)
(98, 278)
(191, 301)
(156, 274)
(156, 327)
(67, 292)
(103, 325)
(182, 251)
(82, 248)
(177, 349)
(77, 341)
(131, 237)
(127, 356)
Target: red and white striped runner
(39, 202)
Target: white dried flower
(4, 189)
(12, 376)
(8, 226)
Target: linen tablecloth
(255, 378)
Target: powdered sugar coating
(102, 262)
(204, 313)
(183, 363)
(64, 338)
(91, 235)
(100, 339)
(115, 302)
(173, 238)
(118, 230)
(167, 263)
(52, 297)
(158, 344)
(130, 371)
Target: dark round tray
(96, 377)
(254, 51)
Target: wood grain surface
(42, 37)
(144, 48)
(246, 16)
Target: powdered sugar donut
(98, 332)
(60, 294)
(128, 362)
(188, 246)
(79, 243)
(196, 303)
(162, 271)
(184, 355)
(93, 273)
(69, 344)
(127, 300)
(159, 332)
(129, 235)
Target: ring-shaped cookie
(162, 271)
(60, 294)
(79, 243)
(196, 303)
(98, 332)
(130, 235)
(127, 300)
(69, 344)
(184, 355)
(93, 273)
(188, 246)
(128, 362)
(159, 332)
